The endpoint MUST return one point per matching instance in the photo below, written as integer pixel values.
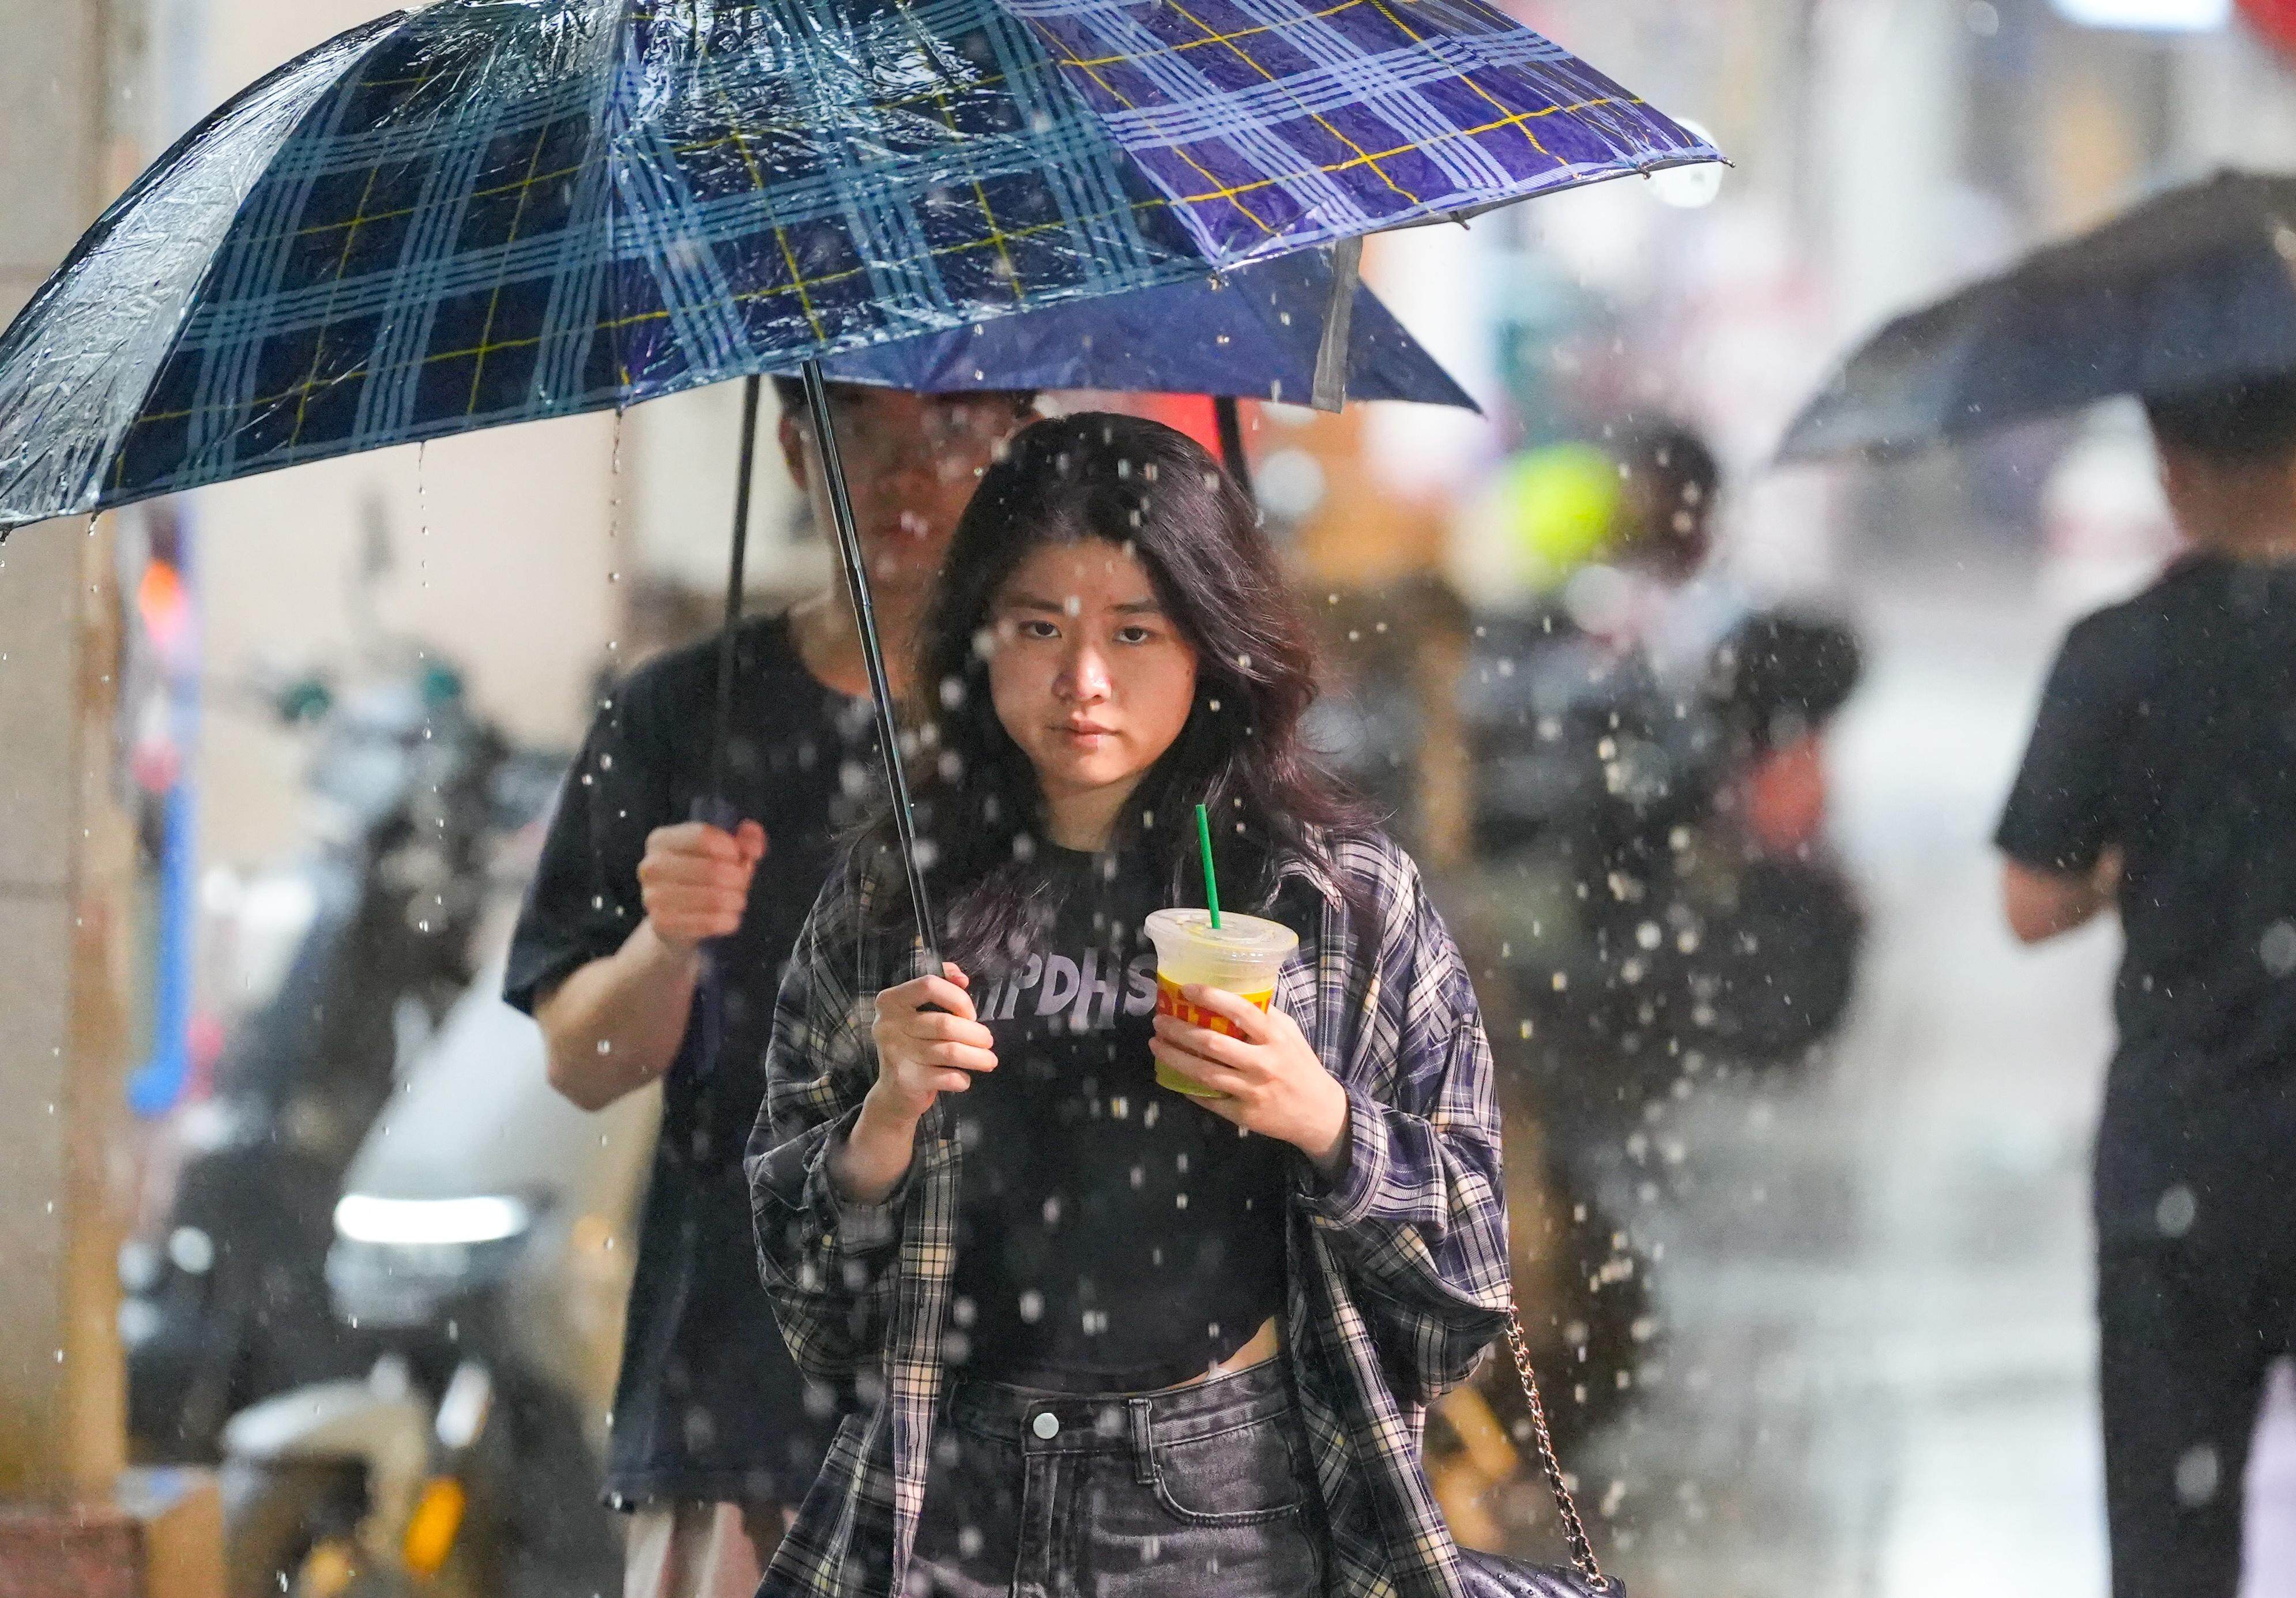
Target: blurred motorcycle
(479, 1260)
(224, 1296)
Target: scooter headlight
(397, 1261)
(431, 1223)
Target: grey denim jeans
(1190, 1493)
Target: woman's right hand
(924, 1053)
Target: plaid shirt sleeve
(1418, 1216)
(826, 1261)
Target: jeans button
(1046, 1425)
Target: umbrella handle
(716, 806)
(708, 1022)
(872, 649)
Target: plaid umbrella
(481, 213)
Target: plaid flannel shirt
(1397, 1271)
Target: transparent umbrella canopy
(476, 213)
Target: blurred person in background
(714, 1434)
(1610, 554)
(1773, 676)
(2161, 781)
(1664, 540)
(1653, 874)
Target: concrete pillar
(65, 861)
(1889, 104)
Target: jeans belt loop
(1144, 1441)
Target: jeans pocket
(1241, 1477)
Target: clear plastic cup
(1242, 956)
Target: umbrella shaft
(722, 740)
(872, 649)
(1229, 421)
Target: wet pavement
(1878, 1363)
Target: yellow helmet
(1555, 508)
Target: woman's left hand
(1275, 1085)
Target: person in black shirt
(713, 1433)
(2162, 779)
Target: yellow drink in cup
(1242, 955)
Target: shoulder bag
(1490, 1575)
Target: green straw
(1211, 879)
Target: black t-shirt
(2168, 730)
(1112, 1236)
(709, 1404)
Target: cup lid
(1237, 937)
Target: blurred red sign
(2276, 20)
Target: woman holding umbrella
(1095, 1331)
(468, 215)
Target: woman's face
(1089, 676)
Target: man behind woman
(714, 1434)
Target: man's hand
(1275, 1085)
(695, 881)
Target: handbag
(1491, 1576)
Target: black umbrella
(2192, 289)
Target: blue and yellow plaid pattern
(1397, 1276)
(1276, 124)
(481, 213)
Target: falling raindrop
(2197, 1475)
(2277, 949)
(422, 512)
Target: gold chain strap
(1574, 1530)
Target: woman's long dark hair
(1154, 492)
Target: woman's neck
(1084, 821)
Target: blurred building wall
(680, 455)
(64, 848)
(1885, 150)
